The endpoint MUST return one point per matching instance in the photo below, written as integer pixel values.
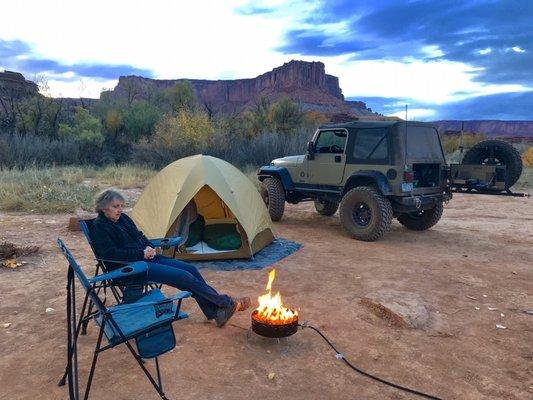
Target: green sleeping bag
(222, 237)
(196, 230)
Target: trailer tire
(422, 220)
(365, 213)
(273, 195)
(496, 152)
(327, 208)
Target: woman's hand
(149, 253)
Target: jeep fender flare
(366, 178)
(276, 172)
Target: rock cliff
(304, 82)
(14, 85)
(489, 127)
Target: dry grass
(527, 157)
(56, 190)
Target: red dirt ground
(479, 255)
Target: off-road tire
(379, 209)
(327, 208)
(273, 195)
(503, 154)
(422, 220)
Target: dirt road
(479, 256)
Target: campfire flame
(271, 310)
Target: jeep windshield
(423, 145)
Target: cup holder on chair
(126, 269)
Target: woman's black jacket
(118, 241)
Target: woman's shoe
(224, 314)
(243, 303)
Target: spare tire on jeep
(496, 152)
(273, 195)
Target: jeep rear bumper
(418, 202)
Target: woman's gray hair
(105, 198)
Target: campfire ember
(272, 318)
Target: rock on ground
(403, 309)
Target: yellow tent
(222, 194)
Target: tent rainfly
(222, 194)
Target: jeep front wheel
(422, 220)
(274, 197)
(365, 213)
(327, 208)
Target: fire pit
(272, 319)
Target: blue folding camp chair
(120, 291)
(147, 321)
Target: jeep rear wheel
(365, 213)
(327, 208)
(274, 197)
(421, 220)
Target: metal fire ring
(274, 331)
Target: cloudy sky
(447, 59)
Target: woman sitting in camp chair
(115, 237)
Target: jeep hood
(290, 161)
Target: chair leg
(157, 387)
(85, 321)
(71, 370)
(95, 358)
(158, 374)
(82, 322)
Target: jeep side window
(331, 142)
(371, 144)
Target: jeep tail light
(408, 176)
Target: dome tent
(223, 195)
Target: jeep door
(369, 150)
(327, 166)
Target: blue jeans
(185, 276)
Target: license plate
(407, 186)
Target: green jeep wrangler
(374, 171)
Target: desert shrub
(527, 157)
(451, 143)
(113, 122)
(286, 116)
(140, 120)
(261, 149)
(313, 119)
(17, 151)
(175, 137)
(87, 129)
(181, 97)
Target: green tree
(286, 116)
(184, 134)
(86, 130)
(181, 97)
(38, 115)
(113, 122)
(140, 120)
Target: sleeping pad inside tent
(229, 218)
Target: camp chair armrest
(113, 261)
(166, 243)
(175, 297)
(136, 268)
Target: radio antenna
(406, 112)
